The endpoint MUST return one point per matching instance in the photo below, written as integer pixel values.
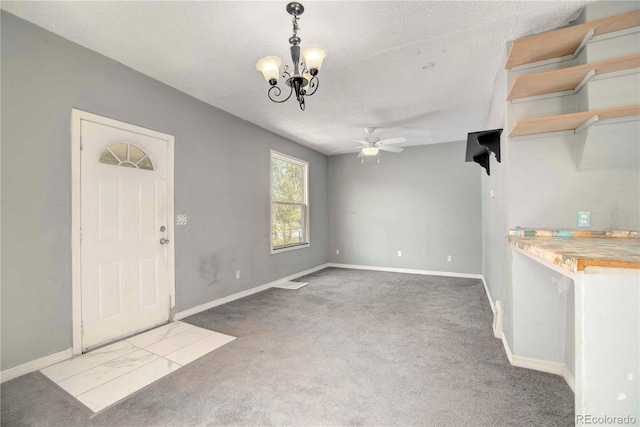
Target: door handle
(164, 241)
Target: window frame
(305, 201)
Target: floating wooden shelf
(565, 41)
(567, 78)
(569, 121)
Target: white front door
(126, 229)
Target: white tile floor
(109, 374)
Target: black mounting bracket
(481, 144)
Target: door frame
(77, 116)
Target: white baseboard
(569, 379)
(197, 309)
(550, 367)
(35, 365)
(406, 270)
(507, 349)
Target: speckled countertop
(574, 250)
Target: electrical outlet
(237, 274)
(492, 194)
(337, 251)
(448, 258)
(399, 253)
(584, 219)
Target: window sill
(289, 248)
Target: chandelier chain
(296, 28)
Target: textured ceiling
(419, 69)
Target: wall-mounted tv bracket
(492, 142)
(483, 160)
(481, 144)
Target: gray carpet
(351, 348)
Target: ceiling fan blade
(361, 141)
(391, 149)
(343, 150)
(388, 141)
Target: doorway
(122, 229)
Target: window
(127, 155)
(289, 203)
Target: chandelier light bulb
(313, 57)
(270, 68)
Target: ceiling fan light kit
(370, 151)
(372, 145)
(304, 81)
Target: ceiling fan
(372, 144)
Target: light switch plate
(584, 219)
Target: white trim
(542, 135)
(614, 34)
(307, 232)
(290, 248)
(406, 270)
(615, 120)
(197, 309)
(538, 364)
(544, 96)
(584, 81)
(507, 349)
(76, 263)
(591, 120)
(585, 41)
(568, 378)
(615, 74)
(35, 365)
(556, 368)
(543, 62)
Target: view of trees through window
(288, 202)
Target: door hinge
(81, 234)
(81, 328)
(81, 143)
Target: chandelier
(304, 80)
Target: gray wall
(424, 202)
(221, 183)
(496, 261)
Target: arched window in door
(127, 155)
